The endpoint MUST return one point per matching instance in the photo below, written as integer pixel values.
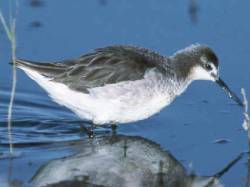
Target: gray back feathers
(107, 65)
(114, 64)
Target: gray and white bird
(121, 83)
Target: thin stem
(13, 90)
(246, 126)
(10, 32)
(246, 123)
(5, 26)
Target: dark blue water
(60, 29)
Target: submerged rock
(118, 161)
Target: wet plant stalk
(13, 90)
(246, 123)
(246, 126)
(10, 32)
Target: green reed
(10, 30)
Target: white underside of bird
(122, 102)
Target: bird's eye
(208, 67)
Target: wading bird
(122, 84)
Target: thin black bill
(232, 95)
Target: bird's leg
(113, 127)
(82, 130)
(91, 130)
(88, 130)
(113, 137)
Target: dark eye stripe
(212, 58)
(208, 67)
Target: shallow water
(202, 128)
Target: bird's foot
(88, 130)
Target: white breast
(122, 102)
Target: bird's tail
(46, 69)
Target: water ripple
(37, 120)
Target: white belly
(127, 102)
(114, 103)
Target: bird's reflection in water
(121, 161)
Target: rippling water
(38, 121)
(202, 128)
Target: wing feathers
(46, 69)
(107, 65)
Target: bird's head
(199, 62)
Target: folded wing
(107, 65)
